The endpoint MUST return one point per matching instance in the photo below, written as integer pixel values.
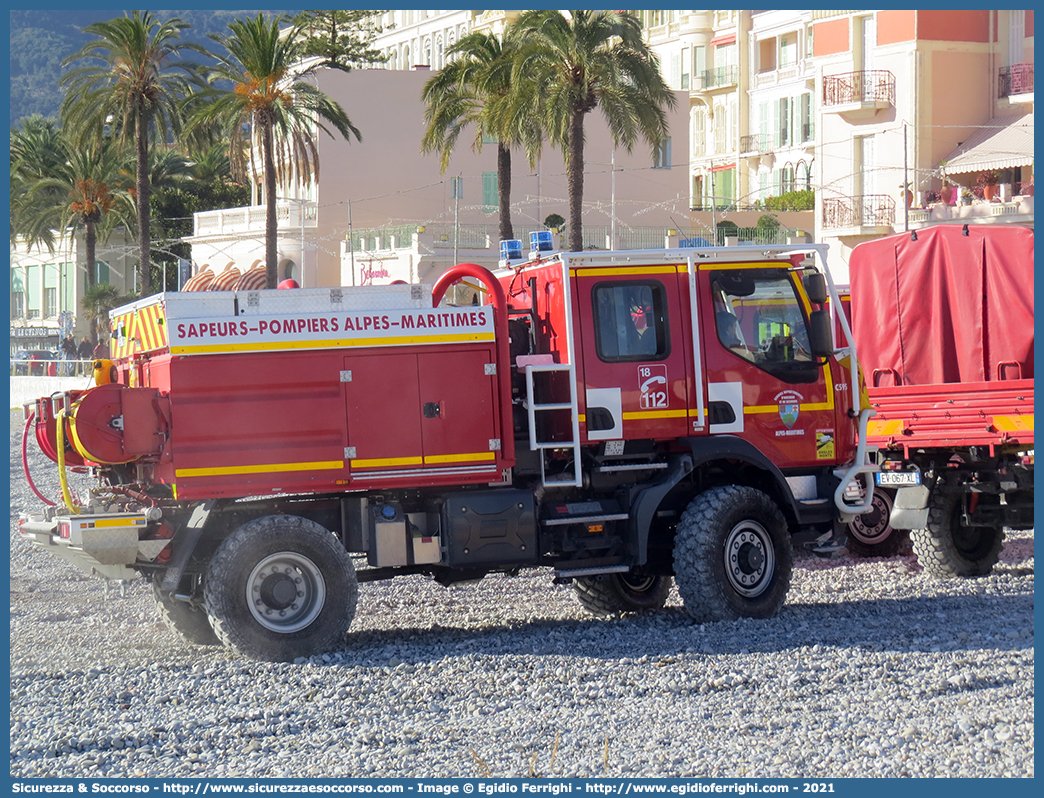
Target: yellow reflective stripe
(331, 344)
(646, 414)
(387, 461)
(458, 458)
(115, 522)
(756, 409)
(892, 427)
(268, 468)
(618, 271)
(1013, 423)
(710, 265)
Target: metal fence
(38, 367)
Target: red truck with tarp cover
(943, 322)
(621, 418)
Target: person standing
(85, 352)
(68, 355)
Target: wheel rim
(749, 558)
(971, 542)
(637, 585)
(285, 592)
(873, 527)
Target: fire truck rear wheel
(613, 593)
(870, 534)
(189, 621)
(948, 548)
(732, 556)
(281, 587)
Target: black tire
(947, 548)
(609, 594)
(189, 621)
(870, 534)
(732, 555)
(302, 585)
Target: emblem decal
(789, 407)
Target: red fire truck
(951, 381)
(621, 418)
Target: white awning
(1002, 143)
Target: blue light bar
(511, 250)
(540, 241)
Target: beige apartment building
(875, 111)
(907, 98)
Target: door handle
(432, 410)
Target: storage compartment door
(382, 402)
(457, 409)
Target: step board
(585, 519)
(581, 572)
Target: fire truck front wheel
(281, 587)
(612, 593)
(732, 556)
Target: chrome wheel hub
(749, 558)
(285, 592)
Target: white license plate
(898, 478)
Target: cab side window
(758, 316)
(630, 321)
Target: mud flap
(910, 510)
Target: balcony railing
(290, 214)
(720, 76)
(1016, 79)
(758, 142)
(868, 210)
(876, 86)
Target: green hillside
(40, 40)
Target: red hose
(500, 325)
(25, 460)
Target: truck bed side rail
(957, 415)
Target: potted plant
(948, 193)
(908, 193)
(988, 179)
(967, 196)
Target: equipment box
(495, 527)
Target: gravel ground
(872, 669)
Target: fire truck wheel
(612, 593)
(732, 556)
(189, 621)
(281, 587)
(870, 534)
(948, 548)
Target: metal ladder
(558, 480)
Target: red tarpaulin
(946, 307)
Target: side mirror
(815, 287)
(820, 336)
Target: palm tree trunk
(271, 221)
(142, 192)
(575, 181)
(507, 232)
(90, 246)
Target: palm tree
(79, 189)
(475, 88)
(96, 303)
(130, 86)
(595, 59)
(279, 111)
